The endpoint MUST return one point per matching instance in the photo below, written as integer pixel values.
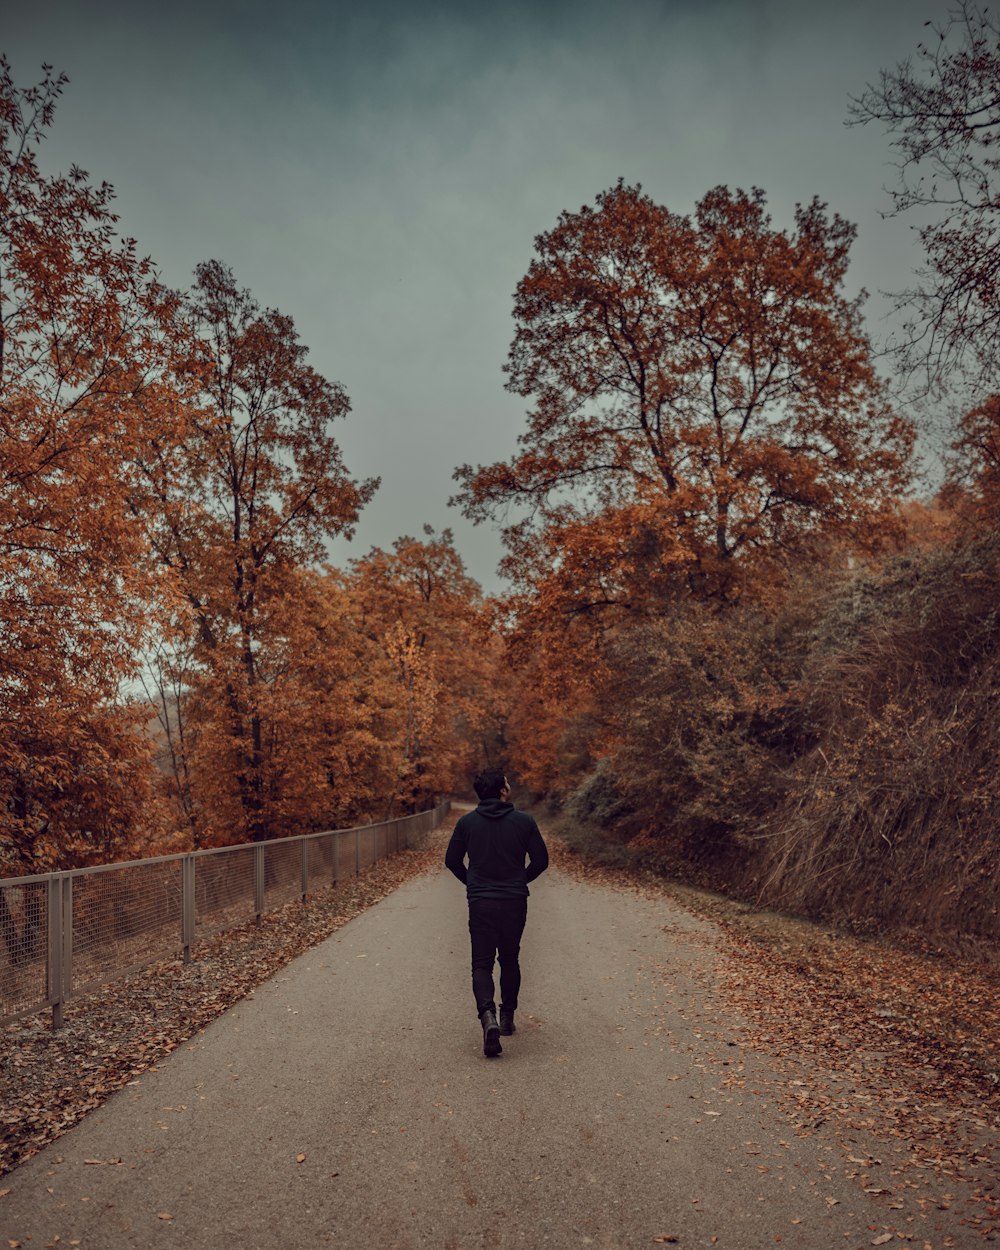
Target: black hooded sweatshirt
(496, 837)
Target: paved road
(349, 1104)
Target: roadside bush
(834, 754)
(597, 800)
(707, 725)
(892, 819)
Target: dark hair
(489, 783)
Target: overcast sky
(379, 171)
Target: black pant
(495, 926)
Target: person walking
(496, 839)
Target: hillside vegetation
(837, 758)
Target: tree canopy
(702, 391)
(88, 339)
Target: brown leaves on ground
(866, 1039)
(50, 1079)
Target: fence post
(357, 851)
(187, 905)
(67, 935)
(335, 856)
(304, 864)
(258, 881)
(54, 958)
(60, 909)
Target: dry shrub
(834, 753)
(706, 727)
(891, 819)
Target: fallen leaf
(881, 1239)
(164, 1215)
(300, 1158)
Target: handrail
(208, 850)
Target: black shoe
(491, 1035)
(507, 1026)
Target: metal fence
(64, 932)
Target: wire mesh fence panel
(24, 922)
(223, 889)
(367, 848)
(331, 850)
(282, 873)
(320, 869)
(416, 831)
(92, 924)
(346, 854)
(339, 867)
(124, 917)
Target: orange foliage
(84, 334)
(704, 399)
(705, 416)
(430, 621)
(972, 487)
(329, 727)
(243, 503)
(169, 481)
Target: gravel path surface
(348, 1103)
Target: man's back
(496, 838)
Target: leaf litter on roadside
(866, 1037)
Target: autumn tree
(86, 340)
(942, 109)
(339, 745)
(331, 724)
(703, 395)
(245, 504)
(431, 622)
(972, 484)
(704, 414)
(555, 722)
